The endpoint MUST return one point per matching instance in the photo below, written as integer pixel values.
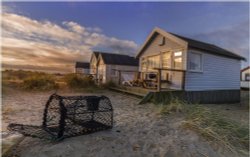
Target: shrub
(79, 82)
(108, 84)
(19, 74)
(43, 82)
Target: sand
(138, 131)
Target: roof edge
(163, 33)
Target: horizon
(52, 36)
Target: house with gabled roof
(114, 67)
(245, 77)
(205, 72)
(82, 68)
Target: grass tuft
(174, 106)
(108, 85)
(78, 82)
(213, 126)
(39, 82)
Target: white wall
(219, 73)
(101, 71)
(82, 71)
(115, 78)
(93, 62)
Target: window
(247, 77)
(166, 60)
(144, 64)
(178, 63)
(178, 54)
(154, 62)
(178, 60)
(195, 61)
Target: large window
(144, 64)
(178, 60)
(195, 61)
(154, 62)
(166, 60)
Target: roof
(84, 65)
(119, 59)
(248, 67)
(96, 53)
(195, 44)
(209, 47)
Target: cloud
(43, 45)
(234, 38)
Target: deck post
(119, 81)
(159, 81)
(183, 80)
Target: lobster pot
(67, 116)
(75, 115)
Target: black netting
(70, 116)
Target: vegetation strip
(211, 125)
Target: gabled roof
(195, 44)
(84, 65)
(209, 47)
(96, 53)
(118, 59)
(248, 67)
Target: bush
(79, 82)
(108, 84)
(20, 74)
(43, 82)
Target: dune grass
(173, 106)
(39, 83)
(211, 125)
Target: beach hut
(114, 67)
(82, 68)
(245, 77)
(203, 72)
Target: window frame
(246, 76)
(144, 63)
(153, 57)
(189, 59)
(170, 59)
(177, 57)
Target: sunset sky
(52, 36)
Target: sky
(52, 36)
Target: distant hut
(245, 77)
(113, 67)
(82, 68)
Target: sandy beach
(138, 131)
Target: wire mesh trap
(68, 116)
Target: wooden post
(183, 80)
(159, 81)
(119, 77)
